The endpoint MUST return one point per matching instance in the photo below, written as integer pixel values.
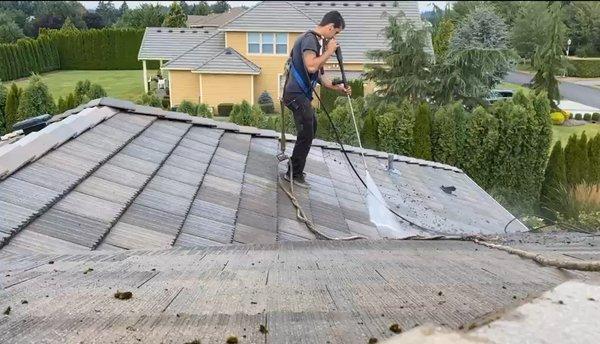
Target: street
(581, 94)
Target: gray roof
(271, 16)
(365, 22)
(166, 43)
(229, 61)
(197, 55)
(120, 176)
(213, 20)
(312, 292)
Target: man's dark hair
(335, 18)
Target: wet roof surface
(142, 180)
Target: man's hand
(331, 46)
(343, 89)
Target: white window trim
(287, 43)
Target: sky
(423, 5)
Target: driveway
(578, 93)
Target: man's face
(332, 31)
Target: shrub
(585, 68)
(258, 117)
(241, 113)
(596, 117)
(581, 207)
(224, 109)
(70, 102)
(369, 133)
(422, 133)
(448, 124)
(594, 160)
(96, 91)
(82, 88)
(11, 108)
(587, 117)
(36, 99)
(166, 102)
(328, 97)
(187, 107)
(578, 116)
(555, 181)
(62, 105)
(150, 99)
(265, 101)
(204, 110)
(557, 118)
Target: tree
(583, 158)
(68, 25)
(220, 7)
(594, 160)
(3, 94)
(448, 131)
(62, 105)
(583, 22)
(571, 161)
(176, 16)
(36, 99)
(145, 16)
(9, 31)
(407, 67)
(70, 102)
(481, 140)
(555, 182)
(108, 12)
(477, 60)
(52, 14)
(369, 132)
(530, 28)
(94, 21)
(549, 59)
(123, 9)
(12, 104)
(441, 39)
(422, 133)
(201, 9)
(82, 89)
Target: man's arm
(314, 63)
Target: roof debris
(395, 328)
(123, 295)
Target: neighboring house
(213, 20)
(244, 57)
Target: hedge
(585, 68)
(105, 49)
(328, 96)
(27, 55)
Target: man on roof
(305, 68)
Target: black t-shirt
(308, 41)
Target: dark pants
(306, 128)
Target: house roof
(229, 61)
(310, 292)
(271, 16)
(216, 249)
(213, 20)
(162, 43)
(120, 176)
(197, 55)
(365, 22)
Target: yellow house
(245, 57)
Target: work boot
(299, 180)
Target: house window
(281, 47)
(267, 43)
(254, 42)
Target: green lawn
(562, 133)
(122, 84)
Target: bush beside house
(584, 67)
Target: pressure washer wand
(338, 54)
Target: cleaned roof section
(341, 292)
(271, 16)
(213, 20)
(163, 43)
(140, 177)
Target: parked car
(496, 95)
